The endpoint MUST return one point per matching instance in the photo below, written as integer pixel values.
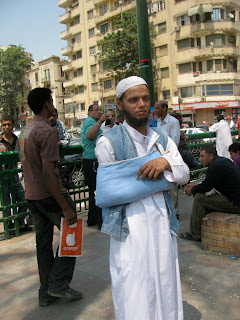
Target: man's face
(135, 105)
(234, 154)
(111, 115)
(53, 119)
(205, 159)
(158, 110)
(96, 112)
(7, 126)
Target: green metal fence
(73, 179)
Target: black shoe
(45, 302)
(67, 293)
(26, 228)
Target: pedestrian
(8, 142)
(143, 249)
(172, 126)
(64, 139)
(223, 136)
(219, 192)
(234, 150)
(48, 200)
(91, 129)
(110, 122)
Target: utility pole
(144, 47)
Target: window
(209, 65)
(81, 89)
(91, 32)
(107, 84)
(92, 50)
(185, 68)
(116, 4)
(105, 66)
(79, 54)
(104, 28)
(165, 73)
(79, 72)
(162, 27)
(94, 86)
(90, 14)
(82, 106)
(219, 89)
(36, 76)
(162, 50)
(78, 37)
(103, 9)
(183, 20)
(93, 68)
(185, 43)
(217, 39)
(166, 94)
(75, 21)
(186, 92)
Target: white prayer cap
(128, 83)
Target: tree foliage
(13, 64)
(120, 47)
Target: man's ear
(119, 104)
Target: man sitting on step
(219, 192)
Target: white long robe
(144, 269)
(223, 137)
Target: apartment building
(196, 59)
(47, 73)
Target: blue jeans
(55, 272)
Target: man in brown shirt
(48, 200)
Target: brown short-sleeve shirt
(37, 145)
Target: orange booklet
(71, 239)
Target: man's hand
(104, 117)
(188, 188)
(59, 143)
(3, 149)
(70, 216)
(153, 168)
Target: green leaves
(13, 64)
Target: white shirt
(224, 137)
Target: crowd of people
(143, 229)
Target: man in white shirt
(166, 122)
(172, 127)
(144, 269)
(223, 136)
(110, 122)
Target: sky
(33, 24)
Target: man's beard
(134, 121)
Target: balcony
(66, 51)
(64, 3)
(197, 53)
(45, 79)
(64, 17)
(67, 67)
(65, 34)
(68, 84)
(215, 26)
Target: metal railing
(73, 179)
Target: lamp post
(74, 117)
(179, 103)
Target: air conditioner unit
(177, 28)
(98, 32)
(230, 59)
(154, 10)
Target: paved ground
(210, 282)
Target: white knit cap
(128, 83)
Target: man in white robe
(144, 269)
(223, 136)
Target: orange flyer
(71, 238)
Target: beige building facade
(196, 59)
(47, 73)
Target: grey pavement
(210, 281)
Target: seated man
(234, 150)
(223, 180)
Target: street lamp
(179, 103)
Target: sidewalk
(210, 281)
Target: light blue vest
(114, 218)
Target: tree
(120, 48)
(13, 64)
